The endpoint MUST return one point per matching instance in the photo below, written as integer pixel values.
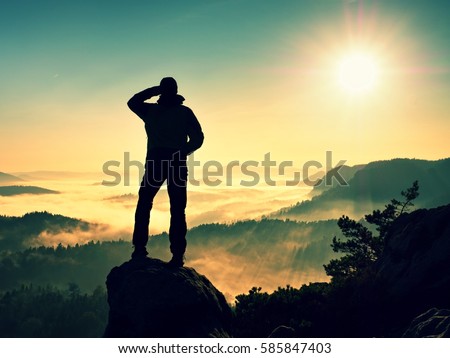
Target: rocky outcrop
(414, 267)
(149, 298)
(432, 324)
(411, 276)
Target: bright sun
(357, 73)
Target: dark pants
(163, 164)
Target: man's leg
(176, 187)
(151, 182)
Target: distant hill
(373, 186)
(21, 189)
(327, 182)
(8, 178)
(20, 232)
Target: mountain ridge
(9, 178)
(373, 186)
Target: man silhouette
(169, 125)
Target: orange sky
(257, 86)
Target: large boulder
(415, 262)
(411, 276)
(413, 271)
(149, 298)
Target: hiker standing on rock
(173, 133)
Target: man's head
(168, 86)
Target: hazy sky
(262, 76)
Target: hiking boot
(176, 261)
(139, 252)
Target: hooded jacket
(168, 123)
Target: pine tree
(362, 248)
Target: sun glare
(357, 73)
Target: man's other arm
(137, 102)
(195, 135)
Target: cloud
(96, 232)
(235, 274)
(122, 198)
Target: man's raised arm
(137, 102)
